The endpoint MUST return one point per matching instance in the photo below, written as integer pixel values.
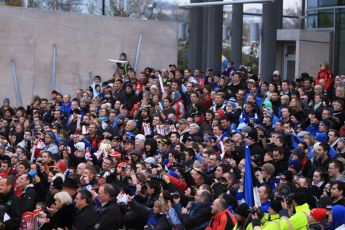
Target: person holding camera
(270, 221)
(295, 214)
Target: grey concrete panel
(84, 43)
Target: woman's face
(271, 87)
(58, 204)
(316, 177)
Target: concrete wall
(312, 47)
(84, 43)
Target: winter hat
(83, 100)
(295, 164)
(6, 101)
(269, 168)
(276, 206)
(319, 214)
(325, 123)
(220, 112)
(268, 112)
(243, 210)
(51, 134)
(61, 165)
(267, 104)
(121, 117)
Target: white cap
(80, 146)
(140, 137)
(150, 160)
(276, 72)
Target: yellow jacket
(273, 223)
(298, 221)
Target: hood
(338, 216)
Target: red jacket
(223, 220)
(327, 75)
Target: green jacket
(298, 221)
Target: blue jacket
(338, 216)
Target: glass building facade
(329, 15)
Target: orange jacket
(223, 220)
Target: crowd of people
(165, 149)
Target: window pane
(312, 3)
(312, 20)
(327, 3)
(325, 19)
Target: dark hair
(86, 195)
(109, 190)
(338, 165)
(25, 164)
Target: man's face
(332, 170)
(215, 207)
(218, 99)
(4, 167)
(277, 156)
(262, 193)
(335, 192)
(106, 164)
(225, 124)
(213, 160)
(79, 203)
(45, 158)
(4, 188)
(285, 113)
(174, 138)
(21, 169)
(219, 172)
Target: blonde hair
(161, 205)
(64, 198)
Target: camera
(175, 195)
(288, 198)
(156, 177)
(253, 210)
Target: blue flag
(248, 180)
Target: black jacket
(198, 217)
(110, 216)
(63, 218)
(86, 219)
(11, 203)
(136, 215)
(29, 198)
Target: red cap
(115, 154)
(122, 164)
(319, 214)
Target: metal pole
(222, 3)
(15, 83)
(103, 7)
(214, 41)
(236, 34)
(90, 77)
(195, 38)
(268, 42)
(137, 53)
(53, 74)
